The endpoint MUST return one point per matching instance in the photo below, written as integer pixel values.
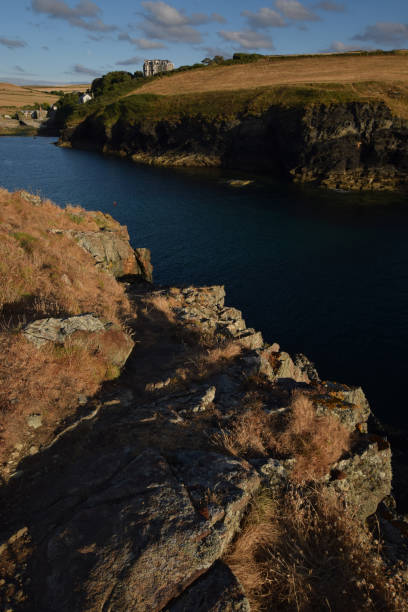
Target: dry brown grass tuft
(162, 305)
(307, 552)
(316, 442)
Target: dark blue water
(321, 273)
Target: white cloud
(292, 9)
(213, 51)
(132, 61)
(12, 43)
(330, 6)
(340, 47)
(86, 14)
(142, 43)
(386, 32)
(164, 22)
(248, 39)
(264, 18)
(80, 69)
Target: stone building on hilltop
(152, 67)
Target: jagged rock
(287, 369)
(58, 330)
(306, 366)
(113, 252)
(250, 339)
(144, 264)
(217, 591)
(349, 404)
(365, 477)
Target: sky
(74, 41)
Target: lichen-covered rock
(365, 477)
(113, 252)
(217, 591)
(349, 404)
(58, 330)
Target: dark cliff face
(353, 145)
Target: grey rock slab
(217, 591)
(58, 330)
(141, 539)
(250, 340)
(110, 251)
(131, 547)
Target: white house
(84, 98)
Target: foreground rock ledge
(132, 508)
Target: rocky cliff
(353, 145)
(134, 502)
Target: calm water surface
(321, 273)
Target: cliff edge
(193, 463)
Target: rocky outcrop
(112, 252)
(133, 505)
(58, 331)
(355, 145)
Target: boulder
(113, 252)
(58, 330)
(364, 479)
(347, 403)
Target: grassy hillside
(220, 105)
(45, 274)
(251, 87)
(13, 97)
(272, 71)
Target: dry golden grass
(14, 96)
(321, 69)
(316, 442)
(44, 274)
(307, 552)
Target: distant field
(14, 96)
(287, 71)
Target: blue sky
(65, 41)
